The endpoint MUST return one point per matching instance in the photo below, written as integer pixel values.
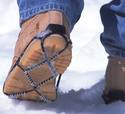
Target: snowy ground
(83, 82)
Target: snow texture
(81, 85)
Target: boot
(115, 80)
(43, 51)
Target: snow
(81, 85)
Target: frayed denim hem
(29, 13)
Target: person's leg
(56, 17)
(113, 39)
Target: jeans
(71, 9)
(112, 16)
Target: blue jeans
(112, 15)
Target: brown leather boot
(42, 52)
(115, 80)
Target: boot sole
(16, 81)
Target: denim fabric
(71, 8)
(113, 19)
(112, 15)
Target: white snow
(81, 85)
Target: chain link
(32, 83)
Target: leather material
(36, 25)
(115, 78)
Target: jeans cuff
(29, 13)
(116, 53)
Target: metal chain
(30, 80)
